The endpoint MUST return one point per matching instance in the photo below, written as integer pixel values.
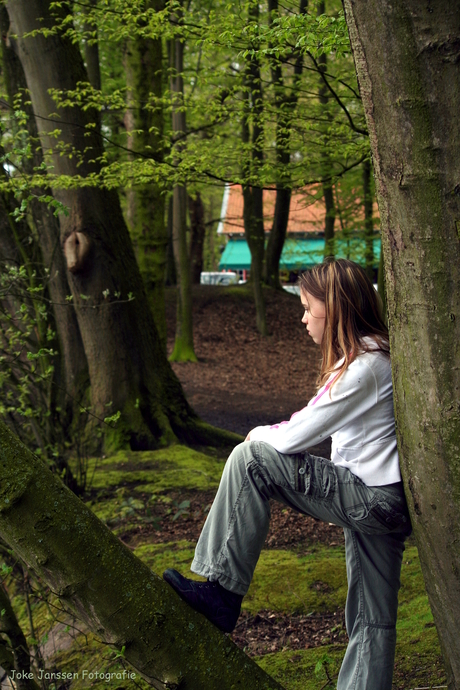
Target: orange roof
(306, 215)
(306, 212)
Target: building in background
(304, 244)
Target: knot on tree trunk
(76, 251)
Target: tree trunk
(19, 656)
(197, 236)
(118, 597)
(407, 58)
(183, 345)
(285, 103)
(92, 48)
(253, 212)
(146, 213)
(326, 166)
(72, 378)
(127, 365)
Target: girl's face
(314, 316)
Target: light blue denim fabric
(376, 524)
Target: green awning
(298, 254)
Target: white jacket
(357, 411)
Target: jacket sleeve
(352, 395)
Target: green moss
(305, 669)
(176, 555)
(155, 471)
(285, 581)
(85, 658)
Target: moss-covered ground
(122, 490)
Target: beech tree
(127, 365)
(101, 581)
(407, 59)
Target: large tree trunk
(72, 377)
(407, 58)
(127, 365)
(106, 586)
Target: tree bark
(128, 368)
(368, 221)
(407, 58)
(97, 577)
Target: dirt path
(243, 380)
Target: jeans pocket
(388, 517)
(358, 513)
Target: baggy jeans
(375, 521)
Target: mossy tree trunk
(407, 58)
(98, 578)
(184, 350)
(128, 368)
(146, 217)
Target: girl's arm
(352, 395)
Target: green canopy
(298, 254)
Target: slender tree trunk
(93, 67)
(97, 577)
(368, 220)
(283, 191)
(407, 58)
(197, 236)
(285, 104)
(19, 656)
(253, 195)
(146, 203)
(183, 346)
(326, 166)
(127, 365)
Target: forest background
(134, 116)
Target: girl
(360, 488)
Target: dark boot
(218, 604)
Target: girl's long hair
(353, 311)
